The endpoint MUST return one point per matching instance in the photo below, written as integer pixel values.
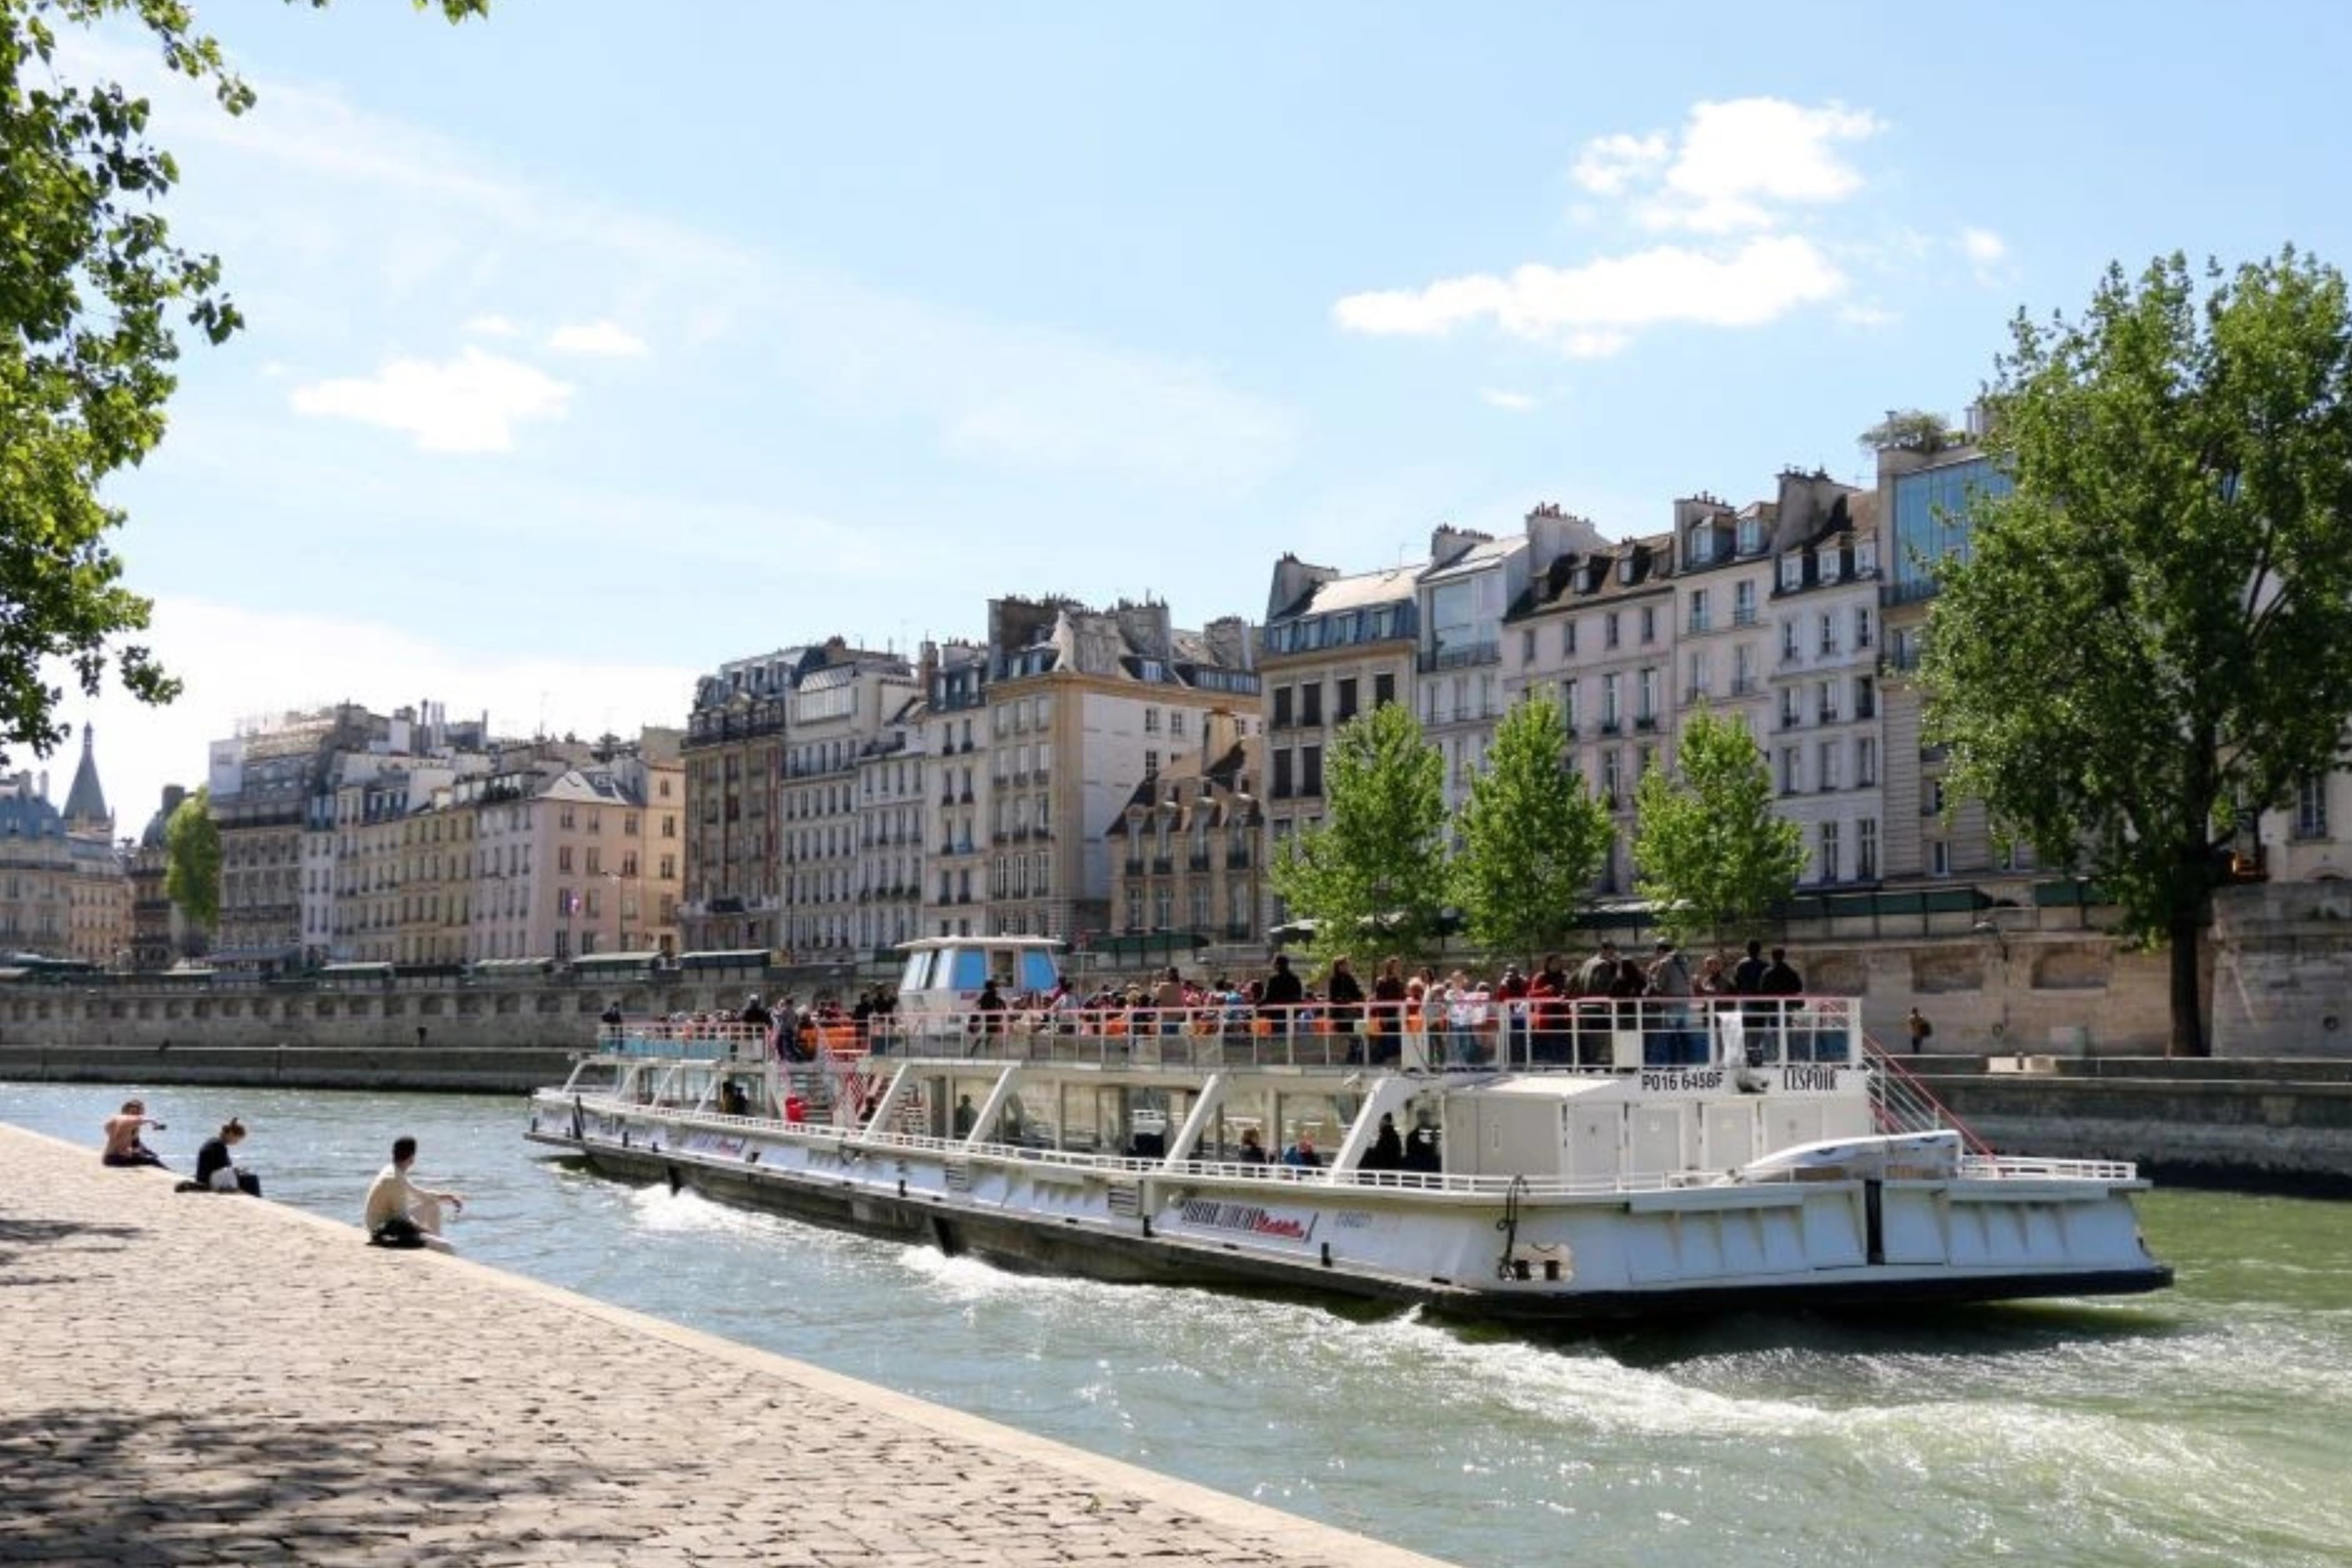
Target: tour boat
(1601, 1159)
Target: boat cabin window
(918, 976)
(968, 969)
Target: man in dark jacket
(1279, 998)
(1781, 980)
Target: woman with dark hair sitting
(216, 1168)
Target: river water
(2205, 1426)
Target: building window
(1865, 761)
(1151, 720)
(1609, 779)
(1567, 715)
(1793, 769)
(1830, 750)
(1344, 701)
(1310, 704)
(1829, 855)
(1862, 632)
(2311, 808)
(1611, 706)
(1829, 634)
(1865, 849)
(1699, 613)
(1282, 774)
(1751, 535)
(1282, 707)
(1310, 770)
(1940, 859)
(1528, 646)
(1649, 622)
(1567, 639)
(1646, 709)
(1609, 630)
(1787, 641)
(1743, 603)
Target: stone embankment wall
(2274, 1126)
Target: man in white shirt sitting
(399, 1212)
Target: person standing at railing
(1781, 981)
(1345, 994)
(1388, 1012)
(1278, 999)
(1550, 1038)
(1511, 1006)
(1168, 1001)
(1720, 1032)
(1670, 981)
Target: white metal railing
(1478, 1033)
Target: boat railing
(1902, 1103)
(2025, 1168)
(1591, 1034)
(673, 1037)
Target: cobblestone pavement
(338, 1404)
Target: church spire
(86, 802)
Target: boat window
(918, 976)
(969, 968)
(1037, 972)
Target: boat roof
(933, 944)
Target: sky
(599, 343)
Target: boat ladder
(1902, 1103)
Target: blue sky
(603, 343)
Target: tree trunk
(2188, 1016)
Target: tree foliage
(2152, 638)
(1533, 838)
(1908, 430)
(90, 281)
(1711, 852)
(192, 859)
(1377, 863)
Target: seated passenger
(1302, 1154)
(1253, 1149)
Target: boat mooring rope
(1509, 1226)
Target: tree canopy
(1709, 850)
(1377, 863)
(1533, 838)
(89, 282)
(2150, 641)
(192, 859)
(1908, 430)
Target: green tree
(192, 859)
(1908, 430)
(1377, 861)
(1533, 838)
(2151, 639)
(89, 279)
(1713, 855)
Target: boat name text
(1249, 1218)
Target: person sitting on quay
(401, 1214)
(216, 1167)
(122, 1142)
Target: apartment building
(569, 858)
(65, 887)
(160, 934)
(889, 817)
(1923, 499)
(734, 756)
(835, 714)
(1030, 755)
(1334, 645)
(1184, 854)
(1723, 580)
(1597, 629)
(1826, 736)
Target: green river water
(2208, 1424)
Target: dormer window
(1792, 572)
(1751, 535)
(1828, 566)
(1626, 565)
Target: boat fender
(579, 1122)
(675, 1182)
(1750, 1080)
(1326, 1255)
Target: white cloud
(470, 403)
(1595, 310)
(1734, 165)
(241, 663)
(1983, 247)
(491, 326)
(1509, 402)
(1862, 313)
(605, 339)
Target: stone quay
(194, 1378)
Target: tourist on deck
(1302, 1154)
(1548, 1039)
(1421, 1152)
(1346, 994)
(1385, 1033)
(401, 1214)
(787, 1031)
(1253, 1149)
(1668, 1041)
(1387, 1152)
(1781, 981)
(216, 1167)
(122, 1142)
(1169, 999)
(990, 1008)
(1279, 997)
